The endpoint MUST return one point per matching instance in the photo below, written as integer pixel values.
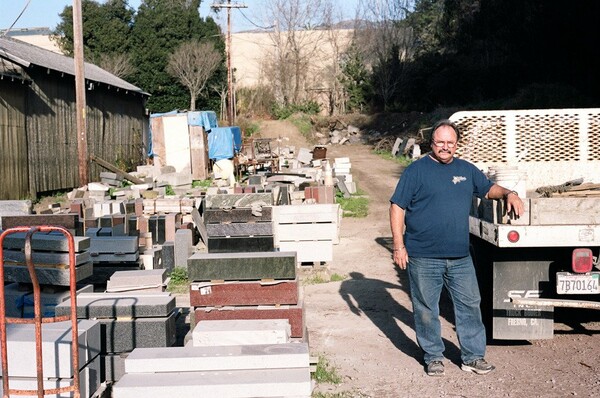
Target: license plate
(568, 283)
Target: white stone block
(241, 332)
(235, 357)
(56, 348)
(235, 383)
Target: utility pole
(80, 104)
(230, 89)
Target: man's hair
(444, 122)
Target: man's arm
(513, 202)
(397, 225)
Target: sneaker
(435, 368)
(479, 366)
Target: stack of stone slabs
(239, 222)
(127, 321)
(309, 230)
(253, 285)
(56, 354)
(280, 370)
(50, 256)
(111, 254)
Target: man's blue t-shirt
(437, 199)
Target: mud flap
(521, 279)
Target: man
(429, 217)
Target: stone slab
(116, 257)
(293, 313)
(102, 272)
(168, 256)
(315, 213)
(305, 231)
(14, 296)
(43, 241)
(229, 201)
(55, 259)
(209, 294)
(260, 214)
(242, 266)
(15, 207)
(113, 244)
(124, 335)
(89, 382)
(68, 221)
(56, 347)
(240, 229)
(241, 332)
(183, 247)
(239, 383)
(131, 279)
(120, 305)
(240, 244)
(47, 275)
(234, 357)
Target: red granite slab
(293, 313)
(243, 293)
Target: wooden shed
(38, 130)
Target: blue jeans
(427, 276)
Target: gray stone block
(124, 335)
(112, 366)
(46, 242)
(168, 256)
(117, 305)
(258, 214)
(240, 332)
(116, 258)
(130, 279)
(242, 266)
(14, 296)
(198, 359)
(183, 247)
(116, 244)
(59, 259)
(240, 229)
(236, 383)
(221, 201)
(47, 276)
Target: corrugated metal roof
(28, 55)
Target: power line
(258, 26)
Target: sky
(45, 13)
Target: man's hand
(400, 257)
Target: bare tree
(193, 63)
(296, 40)
(119, 65)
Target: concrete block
(47, 276)
(239, 383)
(242, 266)
(208, 294)
(120, 305)
(293, 313)
(241, 332)
(125, 280)
(56, 347)
(213, 358)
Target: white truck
(548, 257)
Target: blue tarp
(220, 143)
(237, 138)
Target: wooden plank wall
(116, 127)
(13, 141)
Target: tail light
(582, 261)
(513, 236)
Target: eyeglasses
(440, 144)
